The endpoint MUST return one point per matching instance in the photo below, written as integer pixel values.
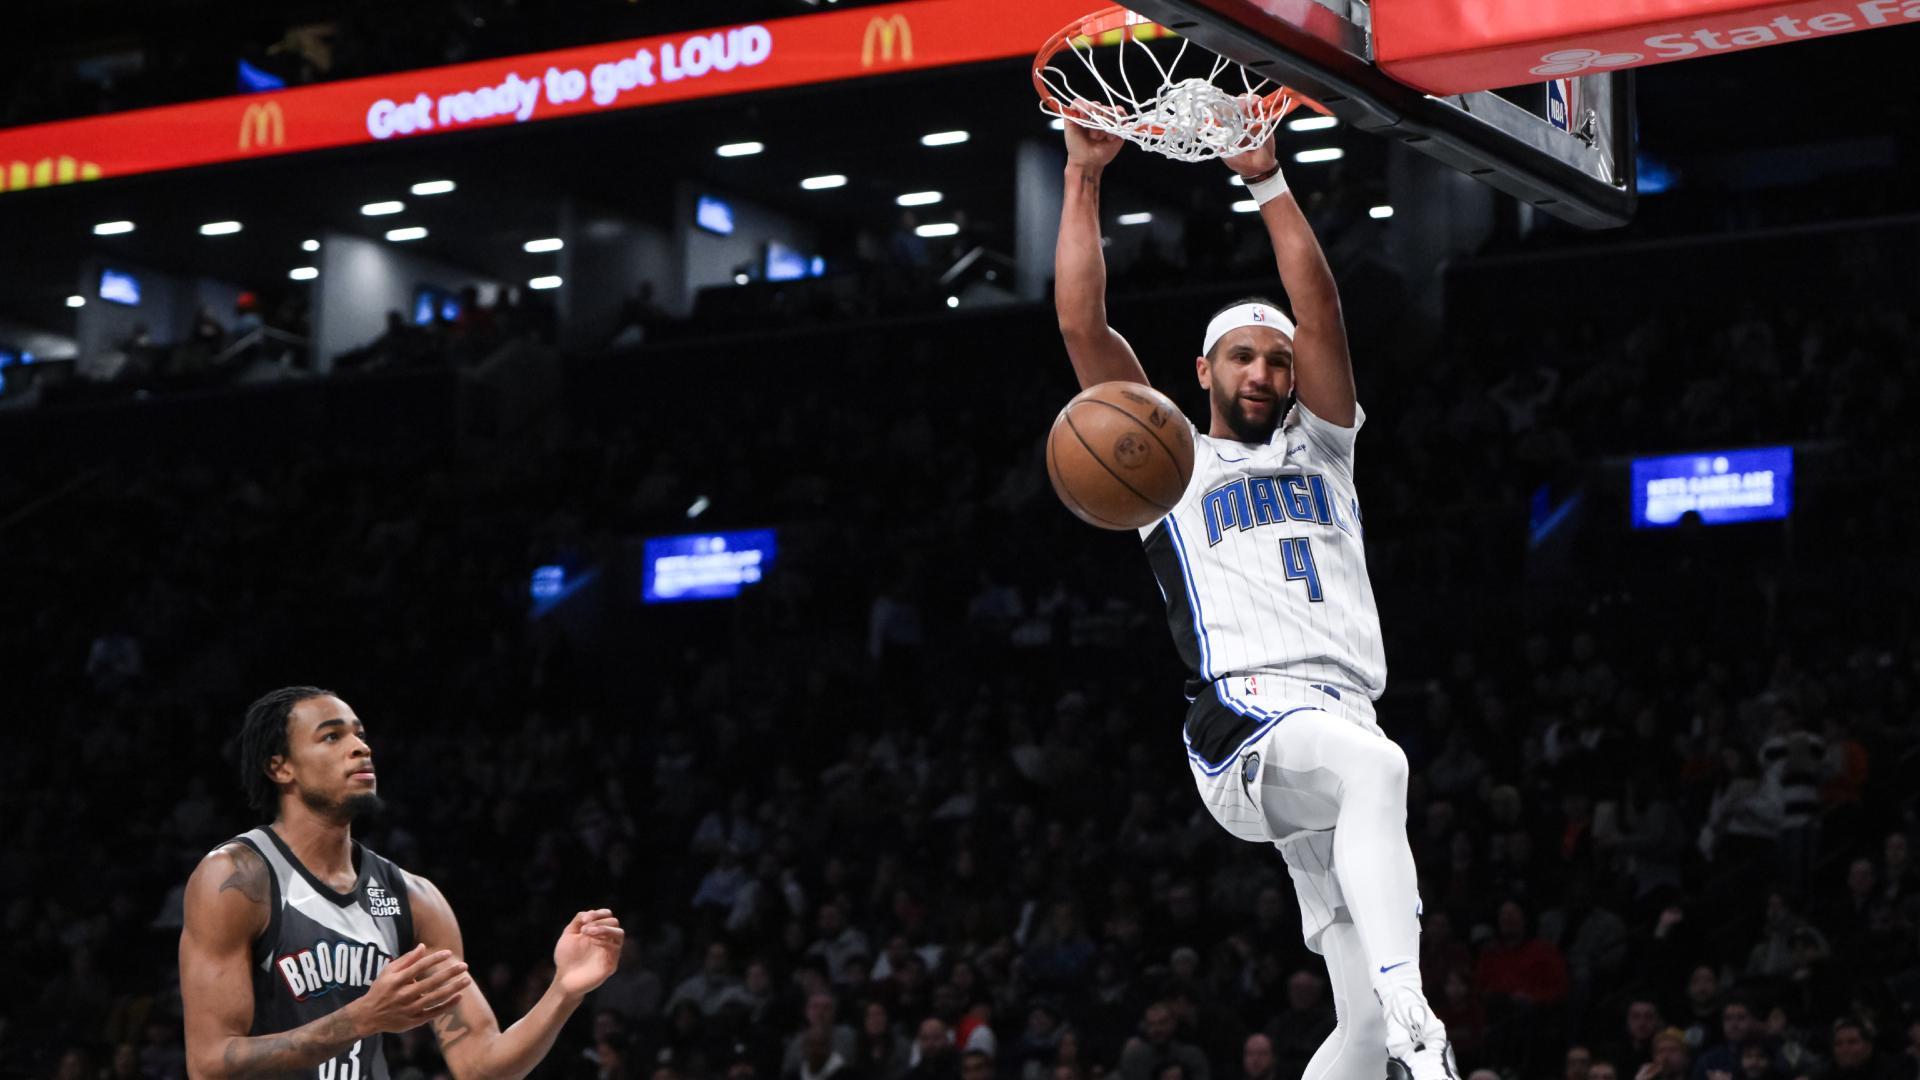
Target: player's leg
(1357, 1048)
(1322, 770)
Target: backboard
(1565, 147)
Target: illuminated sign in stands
(795, 51)
(705, 566)
(119, 287)
(713, 215)
(1720, 487)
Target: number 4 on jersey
(1296, 557)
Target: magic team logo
(327, 966)
(1249, 502)
(381, 903)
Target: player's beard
(1245, 428)
(358, 809)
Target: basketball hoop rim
(1281, 99)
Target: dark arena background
(660, 478)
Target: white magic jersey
(1262, 562)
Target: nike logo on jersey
(1390, 967)
(1252, 501)
(1225, 458)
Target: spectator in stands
(1519, 967)
(1061, 952)
(1854, 1055)
(1700, 1011)
(1039, 1045)
(1737, 1025)
(1642, 1023)
(711, 986)
(880, 1051)
(1464, 1011)
(1147, 1054)
(1747, 812)
(933, 1053)
(1789, 942)
(818, 1060)
(1256, 1058)
(820, 1024)
(1756, 1060)
(1671, 1059)
(837, 942)
(976, 1065)
(1308, 1020)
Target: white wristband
(1269, 189)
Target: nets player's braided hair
(264, 737)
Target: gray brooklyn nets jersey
(1262, 564)
(323, 949)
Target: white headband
(1245, 315)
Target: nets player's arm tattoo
(249, 875)
(450, 1027)
(290, 1051)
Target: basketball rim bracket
(1577, 165)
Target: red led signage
(539, 86)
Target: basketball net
(1210, 108)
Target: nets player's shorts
(1262, 786)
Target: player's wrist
(360, 1021)
(1267, 185)
(562, 998)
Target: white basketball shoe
(1417, 1046)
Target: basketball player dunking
(301, 947)
(1265, 576)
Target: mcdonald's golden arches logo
(882, 33)
(48, 171)
(263, 124)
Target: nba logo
(1259, 315)
(1560, 104)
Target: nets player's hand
(413, 990)
(588, 951)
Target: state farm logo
(1569, 61)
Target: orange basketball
(1120, 455)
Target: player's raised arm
(1098, 352)
(471, 1041)
(1322, 370)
